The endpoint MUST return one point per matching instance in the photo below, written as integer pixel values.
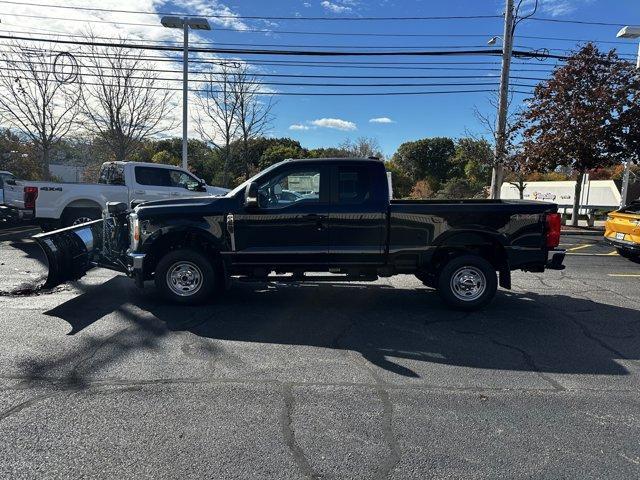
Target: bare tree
(122, 99)
(512, 160)
(363, 147)
(253, 109)
(215, 117)
(35, 101)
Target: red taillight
(30, 195)
(553, 230)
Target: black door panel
(291, 225)
(357, 216)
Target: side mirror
(251, 195)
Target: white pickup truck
(63, 204)
(8, 214)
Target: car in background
(622, 230)
(4, 175)
(7, 213)
(55, 205)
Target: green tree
(277, 153)
(165, 157)
(472, 159)
(330, 152)
(459, 188)
(246, 157)
(571, 116)
(428, 159)
(400, 181)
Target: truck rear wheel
(186, 276)
(77, 216)
(468, 282)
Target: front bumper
(136, 268)
(555, 262)
(136, 261)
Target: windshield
(243, 185)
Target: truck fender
(169, 237)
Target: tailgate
(14, 194)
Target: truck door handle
(174, 194)
(139, 192)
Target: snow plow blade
(71, 251)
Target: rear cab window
(150, 176)
(111, 174)
(359, 185)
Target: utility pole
(503, 102)
(185, 94)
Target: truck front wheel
(185, 276)
(468, 282)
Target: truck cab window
(183, 180)
(158, 177)
(354, 185)
(111, 174)
(289, 188)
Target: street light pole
(197, 23)
(185, 94)
(628, 32)
(503, 102)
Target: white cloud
(553, 8)
(381, 120)
(130, 26)
(335, 7)
(298, 126)
(335, 123)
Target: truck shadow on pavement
(398, 331)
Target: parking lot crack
(288, 433)
(530, 362)
(393, 455)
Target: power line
(309, 94)
(277, 75)
(369, 65)
(577, 22)
(178, 42)
(291, 84)
(251, 17)
(516, 53)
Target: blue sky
(327, 121)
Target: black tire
(76, 216)
(623, 252)
(481, 282)
(199, 280)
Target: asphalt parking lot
(367, 380)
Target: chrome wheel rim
(81, 220)
(468, 283)
(184, 278)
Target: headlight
(134, 232)
(609, 218)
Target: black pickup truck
(301, 216)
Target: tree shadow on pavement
(389, 327)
